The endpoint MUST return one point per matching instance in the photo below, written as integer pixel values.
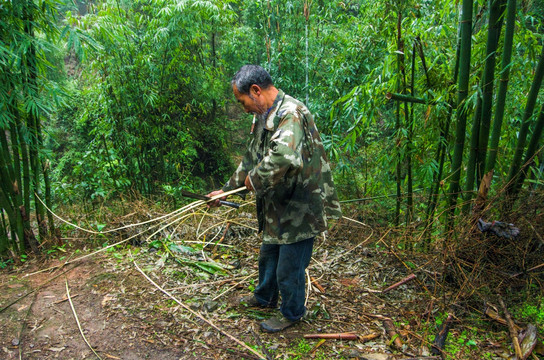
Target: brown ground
(123, 316)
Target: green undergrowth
(531, 311)
(301, 349)
(467, 338)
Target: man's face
(250, 102)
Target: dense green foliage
(147, 106)
(28, 37)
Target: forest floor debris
(124, 316)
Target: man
(287, 168)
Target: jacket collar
(272, 120)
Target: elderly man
(287, 168)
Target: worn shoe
(251, 301)
(277, 323)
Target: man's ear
(255, 90)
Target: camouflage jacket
(289, 170)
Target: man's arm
(283, 156)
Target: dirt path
(42, 325)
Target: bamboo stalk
(198, 315)
(408, 98)
(77, 320)
(531, 149)
(496, 10)
(180, 210)
(166, 217)
(392, 332)
(235, 285)
(402, 282)
(338, 336)
(513, 172)
(503, 85)
(462, 109)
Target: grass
(531, 311)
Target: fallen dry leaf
(107, 298)
(56, 349)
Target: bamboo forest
(143, 188)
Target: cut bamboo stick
(339, 336)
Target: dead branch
(165, 218)
(317, 285)
(235, 285)
(402, 282)
(492, 313)
(512, 329)
(65, 299)
(222, 238)
(403, 263)
(440, 338)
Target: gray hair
(249, 75)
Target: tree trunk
(503, 85)
(462, 92)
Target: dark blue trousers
(282, 271)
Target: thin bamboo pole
(496, 10)
(513, 173)
(503, 86)
(77, 321)
(462, 93)
(197, 314)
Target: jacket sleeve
(283, 159)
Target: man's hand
(216, 202)
(248, 185)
